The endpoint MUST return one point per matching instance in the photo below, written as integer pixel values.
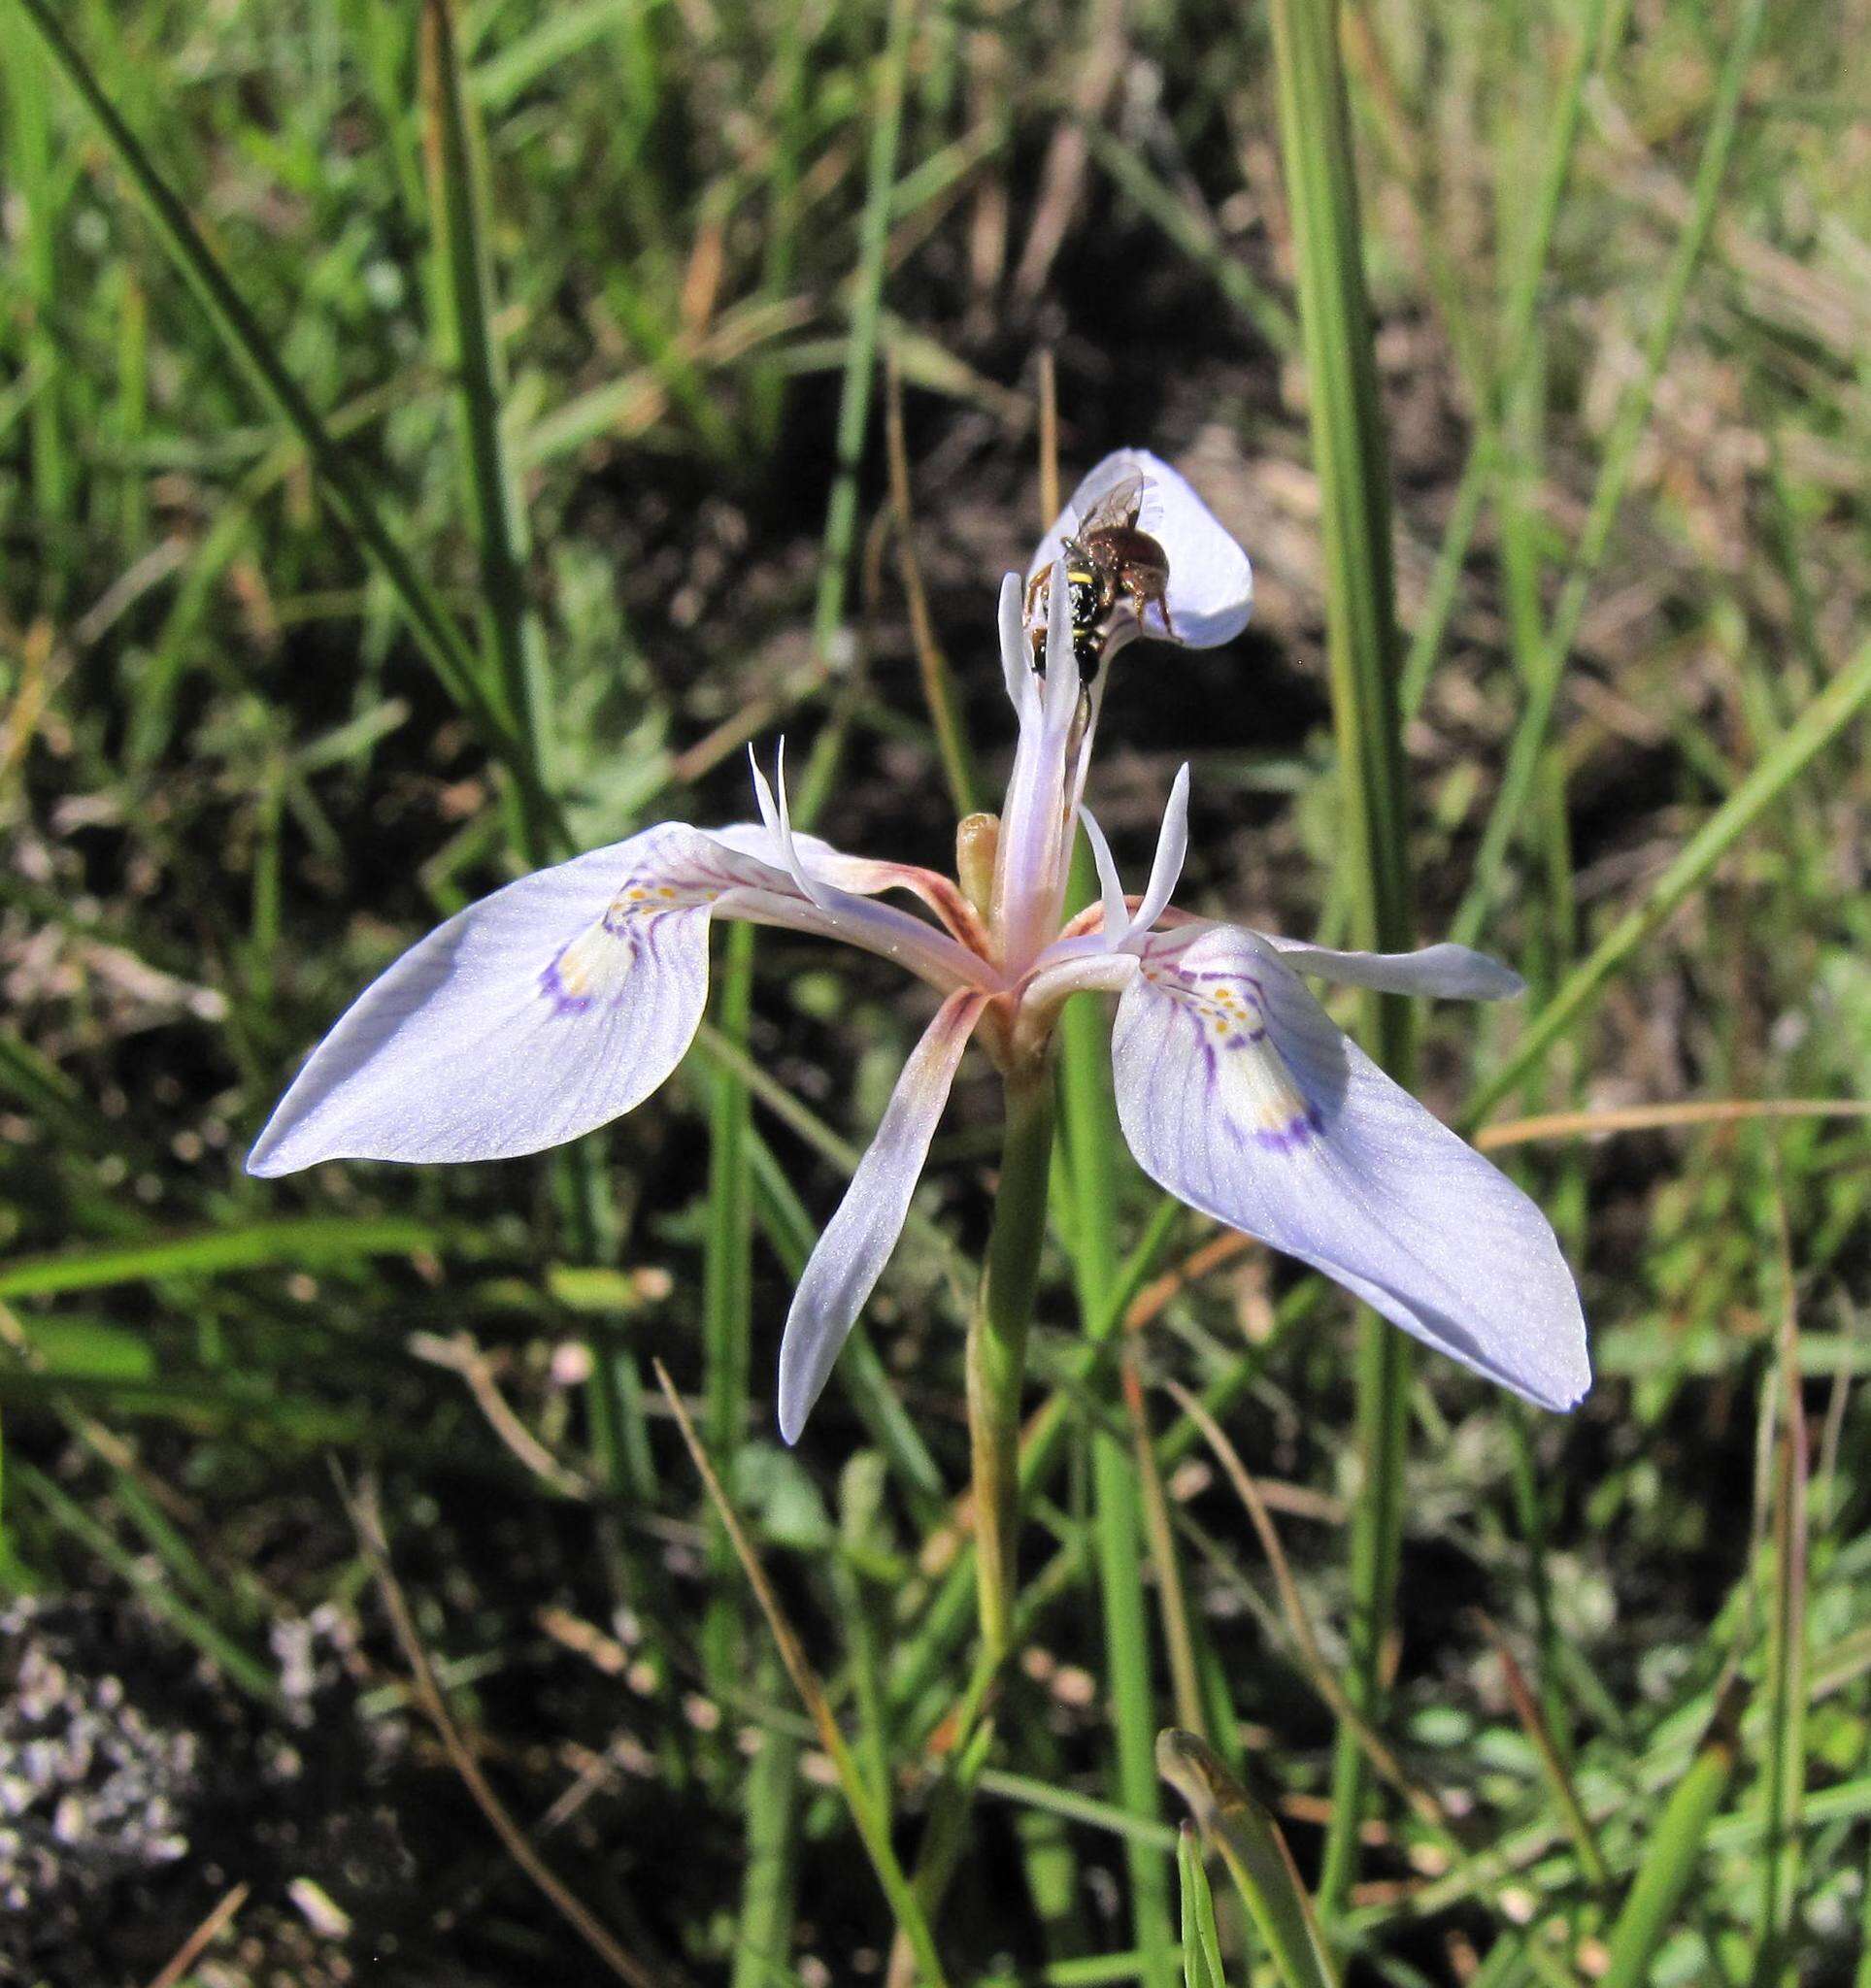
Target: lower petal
(857, 1242)
(542, 1012)
(1238, 1094)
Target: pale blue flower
(558, 1002)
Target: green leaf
(1249, 1843)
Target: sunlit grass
(427, 437)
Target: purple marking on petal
(1269, 1108)
(597, 965)
(555, 991)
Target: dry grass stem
(367, 1521)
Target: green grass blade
(1516, 323)
(315, 1241)
(727, 1291)
(35, 184)
(1675, 1847)
(1521, 778)
(1090, 1141)
(449, 653)
(871, 1818)
(1782, 1787)
(946, 1621)
(1201, 1949)
(1817, 727)
(763, 1939)
(1354, 475)
(867, 303)
(239, 1664)
(1249, 1842)
(562, 32)
(1195, 233)
(464, 284)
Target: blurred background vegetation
(395, 393)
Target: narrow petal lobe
(1117, 911)
(857, 1242)
(1172, 847)
(1238, 1094)
(1450, 972)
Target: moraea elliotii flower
(558, 1002)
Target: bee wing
(1118, 507)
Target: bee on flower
(562, 1001)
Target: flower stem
(998, 1349)
(1353, 477)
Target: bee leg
(1141, 596)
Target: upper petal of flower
(1237, 1093)
(1039, 811)
(808, 886)
(857, 1242)
(542, 1011)
(858, 876)
(1211, 583)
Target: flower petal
(1016, 650)
(1172, 847)
(806, 885)
(1116, 909)
(1037, 817)
(1238, 1095)
(1450, 972)
(546, 1010)
(853, 875)
(857, 1240)
(1211, 583)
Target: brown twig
(1172, 1600)
(1318, 1669)
(459, 1355)
(199, 1940)
(1095, 75)
(938, 682)
(1533, 1722)
(367, 1520)
(1049, 439)
(1158, 1293)
(1664, 1118)
(873, 1825)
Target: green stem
(997, 1350)
(1092, 1139)
(727, 1296)
(1349, 451)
